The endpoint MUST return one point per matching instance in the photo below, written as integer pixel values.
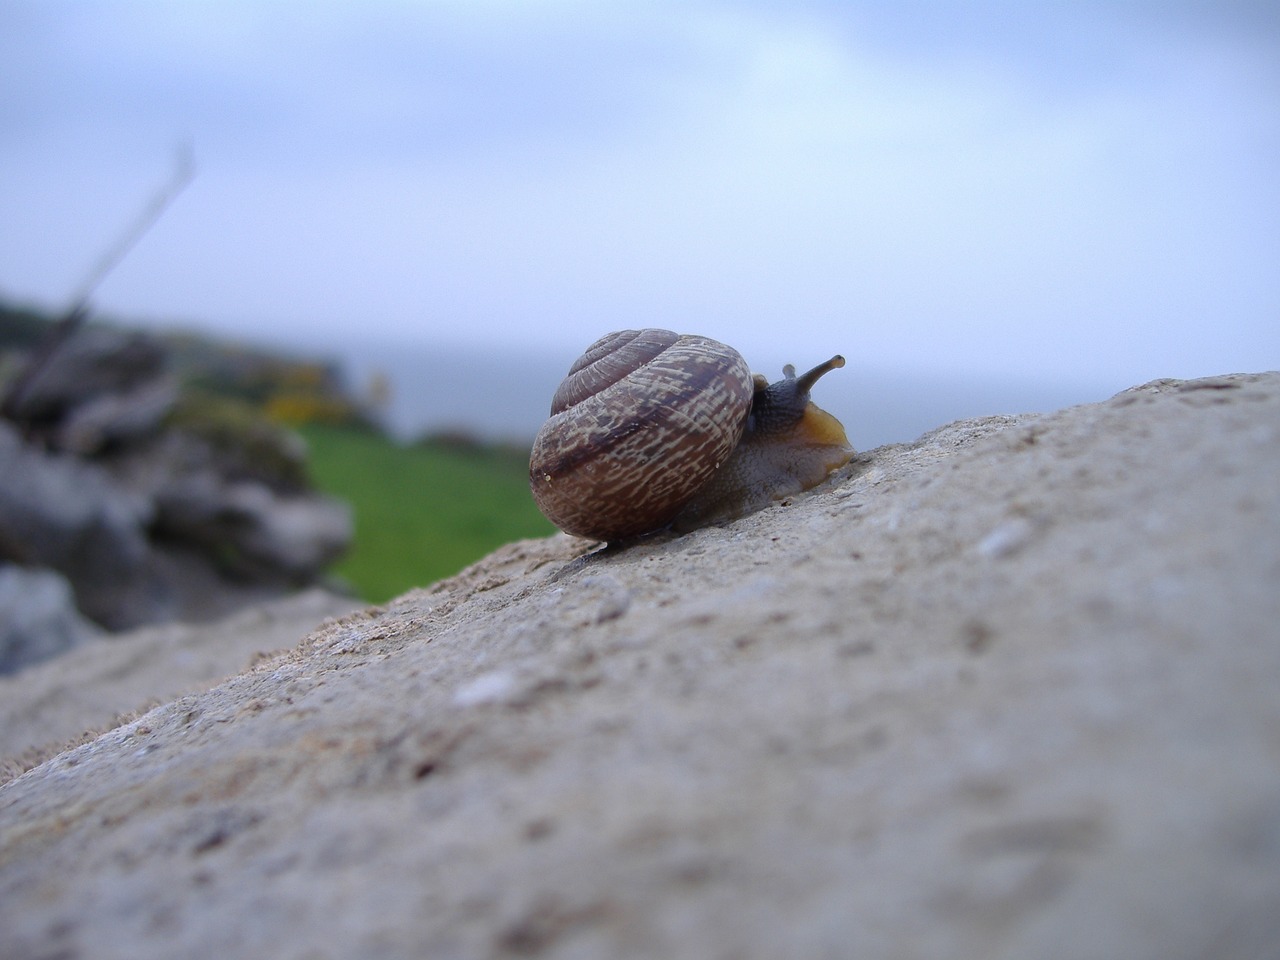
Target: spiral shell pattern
(642, 421)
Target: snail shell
(642, 421)
(652, 429)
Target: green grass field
(422, 512)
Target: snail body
(652, 429)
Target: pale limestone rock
(1010, 691)
(91, 686)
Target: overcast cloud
(1072, 191)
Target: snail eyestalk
(806, 382)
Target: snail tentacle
(807, 381)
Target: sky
(1062, 191)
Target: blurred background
(987, 207)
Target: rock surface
(1009, 691)
(94, 685)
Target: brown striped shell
(652, 429)
(641, 423)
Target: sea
(504, 396)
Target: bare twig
(74, 317)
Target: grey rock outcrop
(267, 534)
(151, 520)
(38, 617)
(94, 364)
(1009, 691)
(64, 513)
(117, 418)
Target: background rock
(259, 532)
(1009, 691)
(155, 503)
(38, 618)
(94, 363)
(117, 418)
(65, 513)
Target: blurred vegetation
(422, 511)
(287, 390)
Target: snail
(653, 429)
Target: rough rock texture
(1010, 691)
(91, 687)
